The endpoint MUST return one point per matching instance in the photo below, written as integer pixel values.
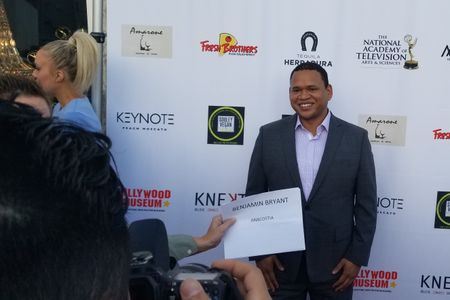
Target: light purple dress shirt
(309, 150)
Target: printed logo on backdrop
(228, 45)
(442, 219)
(308, 47)
(226, 125)
(411, 63)
(145, 121)
(390, 206)
(382, 52)
(369, 280)
(141, 199)
(439, 134)
(210, 202)
(147, 41)
(446, 53)
(384, 130)
(433, 284)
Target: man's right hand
(215, 233)
(267, 266)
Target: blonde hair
(78, 56)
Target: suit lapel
(335, 133)
(288, 142)
(290, 154)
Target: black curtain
(34, 22)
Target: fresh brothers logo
(226, 125)
(308, 54)
(140, 199)
(228, 44)
(375, 280)
(438, 134)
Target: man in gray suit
(332, 163)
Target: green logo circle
(438, 208)
(215, 113)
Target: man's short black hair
(14, 85)
(314, 67)
(63, 233)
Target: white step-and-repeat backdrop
(191, 82)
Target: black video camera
(151, 277)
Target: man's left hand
(349, 272)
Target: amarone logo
(228, 44)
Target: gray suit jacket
(339, 217)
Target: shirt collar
(325, 125)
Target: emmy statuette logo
(411, 63)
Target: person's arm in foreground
(182, 245)
(215, 233)
(249, 279)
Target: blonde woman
(65, 69)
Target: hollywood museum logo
(228, 45)
(140, 199)
(309, 43)
(375, 280)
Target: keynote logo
(442, 218)
(226, 125)
(308, 54)
(210, 202)
(435, 285)
(228, 44)
(140, 199)
(375, 280)
(389, 205)
(145, 121)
